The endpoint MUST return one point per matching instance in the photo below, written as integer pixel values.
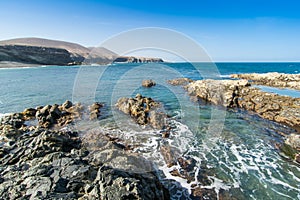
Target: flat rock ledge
(180, 81)
(273, 79)
(53, 162)
(240, 94)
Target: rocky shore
(240, 94)
(44, 156)
(42, 159)
(273, 79)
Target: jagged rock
(143, 110)
(148, 83)
(157, 119)
(203, 193)
(219, 92)
(180, 81)
(116, 184)
(29, 113)
(95, 110)
(57, 164)
(273, 79)
(238, 93)
(67, 104)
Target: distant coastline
(28, 52)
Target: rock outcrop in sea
(145, 111)
(134, 59)
(273, 79)
(148, 83)
(240, 94)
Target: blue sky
(229, 30)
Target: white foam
(234, 160)
(225, 76)
(4, 115)
(183, 182)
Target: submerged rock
(273, 79)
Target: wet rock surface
(148, 83)
(240, 94)
(180, 81)
(273, 79)
(60, 115)
(218, 92)
(145, 111)
(38, 162)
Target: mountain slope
(41, 51)
(52, 52)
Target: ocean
(236, 148)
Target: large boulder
(219, 92)
(143, 110)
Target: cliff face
(38, 55)
(133, 59)
(51, 52)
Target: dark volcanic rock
(118, 184)
(133, 59)
(41, 163)
(38, 55)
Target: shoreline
(240, 94)
(116, 152)
(16, 65)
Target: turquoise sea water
(238, 152)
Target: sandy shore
(5, 64)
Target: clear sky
(229, 30)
